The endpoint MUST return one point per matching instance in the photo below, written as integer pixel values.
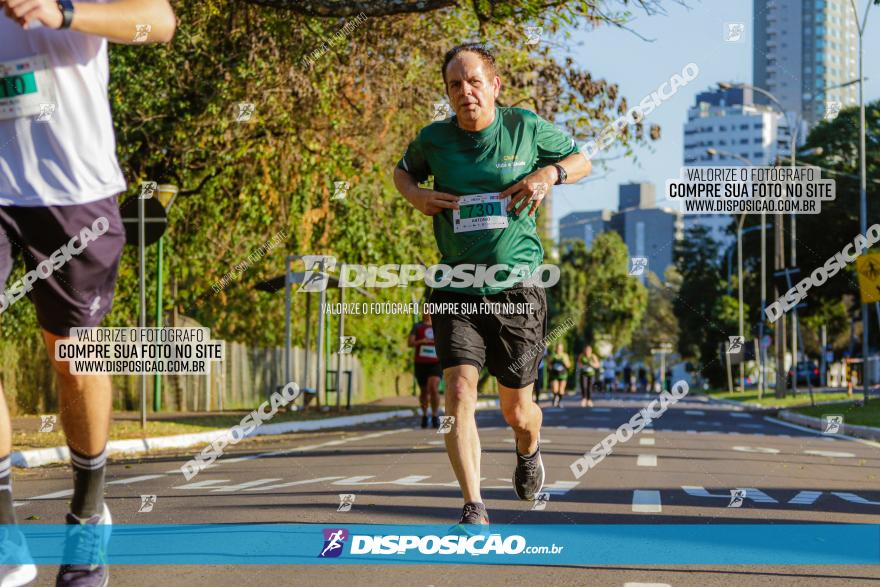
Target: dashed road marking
(695, 412)
(830, 453)
(740, 415)
(646, 461)
(646, 441)
(646, 501)
(759, 449)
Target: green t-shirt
(517, 143)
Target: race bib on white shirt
(480, 212)
(26, 88)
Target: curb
(866, 432)
(59, 454)
(751, 406)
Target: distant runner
(588, 369)
(427, 369)
(492, 167)
(560, 363)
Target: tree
(696, 259)
(615, 301)
(659, 323)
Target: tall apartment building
(802, 49)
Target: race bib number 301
(480, 212)
(25, 84)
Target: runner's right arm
(428, 202)
(411, 170)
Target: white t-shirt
(57, 145)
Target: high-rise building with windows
(803, 51)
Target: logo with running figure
(540, 502)
(314, 280)
(638, 265)
(148, 188)
(446, 423)
(346, 500)
(440, 112)
(737, 497)
(340, 190)
(47, 109)
(47, 423)
(832, 109)
(734, 31)
(346, 344)
(533, 34)
(142, 33)
(245, 111)
(833, 423)
(734, 345)
(147, 504)
(334, 541)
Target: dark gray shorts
(510, 345)
(70, 281)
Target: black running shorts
(426, 370)
(71, 257)
(509, 344)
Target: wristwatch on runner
(562, 174)
(66, 8)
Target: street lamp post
(779, 233)
(863, 180)
(739, 235)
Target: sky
(684, 35)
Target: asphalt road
(681, 471)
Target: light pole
(739, 234)
(779, 233)
(863, 183)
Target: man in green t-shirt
(492, 166)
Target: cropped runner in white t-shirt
(59, 178)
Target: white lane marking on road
(134, 479)
(805, 498)
(755, 495)
(646, 501)
(852, 497)
(824, 436)
(830, 453)
(752, 426)
(646, 441)
(695, 412)
(600, 409)
(759, 449)
(242, 486)
(63, 493)
(740, 415)
(202, 484)
(543, 440)
(358, 480)
(646, 431)
(646, 461)
(293, 483)
(690, 431)
(560, 487)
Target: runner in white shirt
(59, 178)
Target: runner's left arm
(554, 148)
(131, 22)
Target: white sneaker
(16, 565)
